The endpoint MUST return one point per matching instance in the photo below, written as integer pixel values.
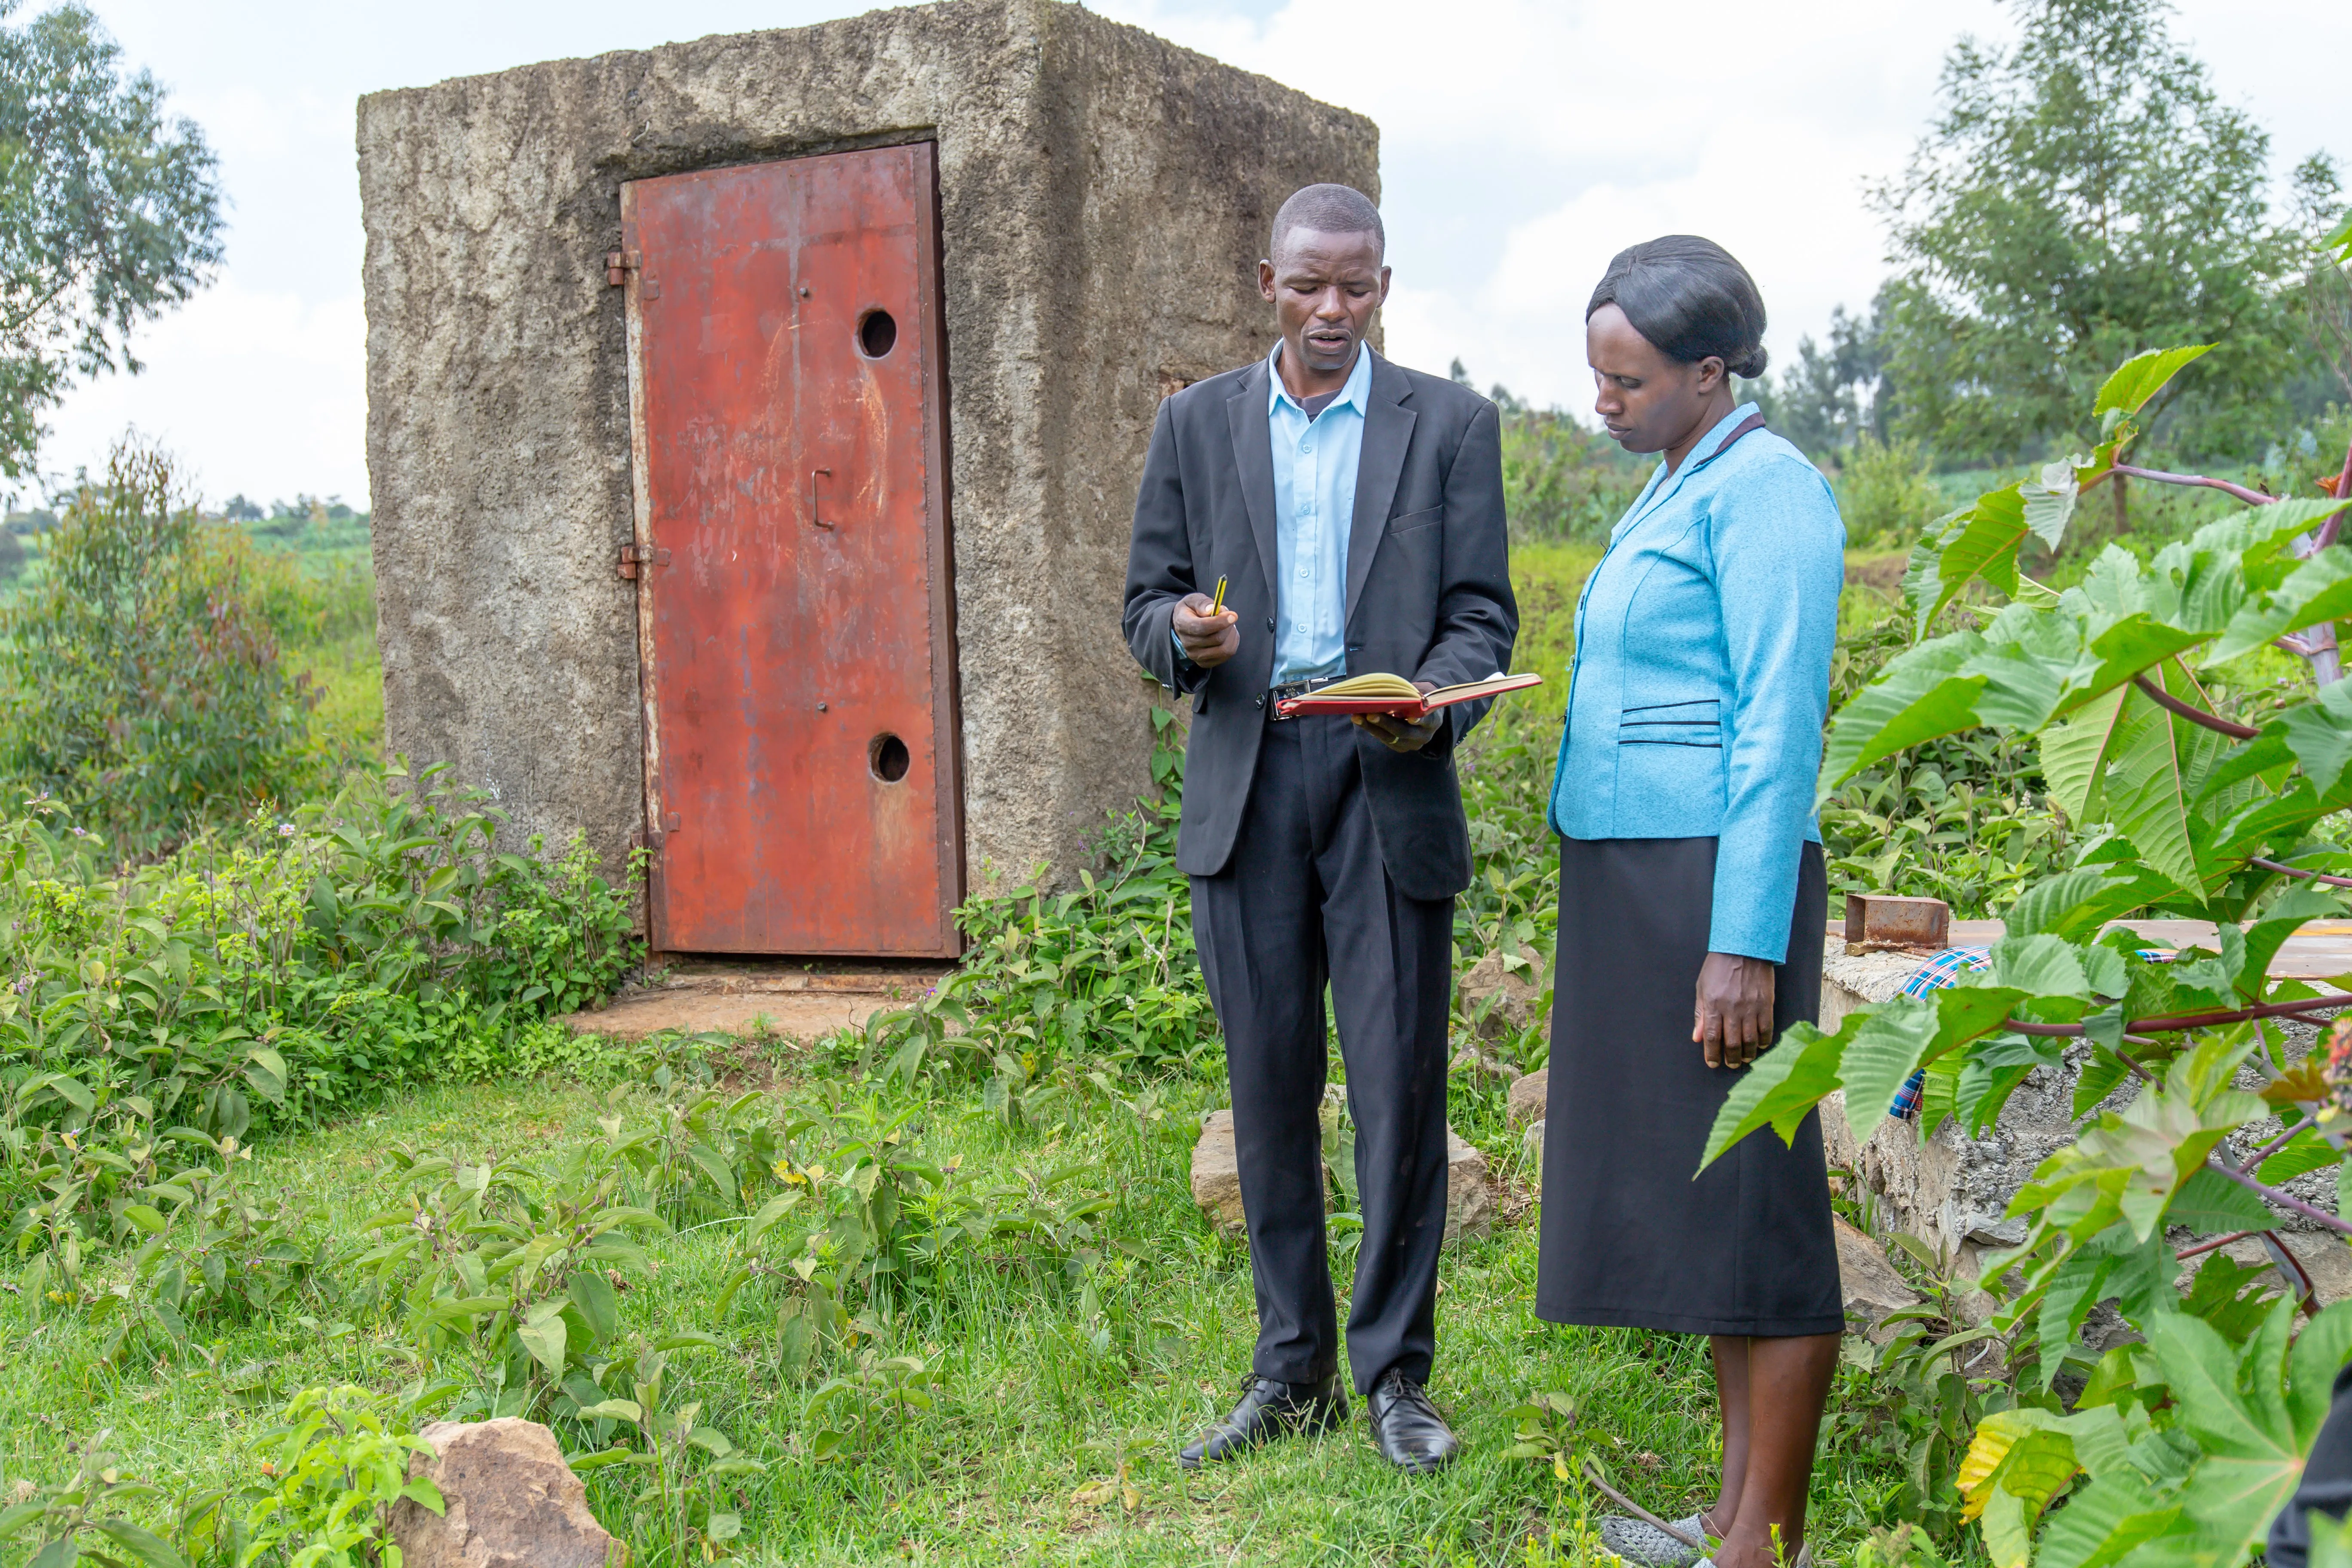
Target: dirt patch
(754, 1002)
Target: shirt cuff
(1181, 656)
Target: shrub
(2185, 1444)
(1561, 481)
(1884, 492)
(147, 683)
(152, 1017)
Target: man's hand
(1733, 1019)
(1397, 734)
(1209, 640)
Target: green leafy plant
(2192, 1441)
(511, 1260)
(83, 1517)
(328, 1475)
(687, 1463)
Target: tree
(108, 213)
(2326, 293)
(1829, 398)
(2084, 196)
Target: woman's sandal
(1643, 1544)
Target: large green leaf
(2103, 1523)
(2155, 770)
(2252, 1459)
(2142, 376)
(1978, 541)
(2318, 590)
(2074, 753)
(1920, 694)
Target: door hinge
(618, 265)
(635, 556)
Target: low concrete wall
(1953, 1191)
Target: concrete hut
(754, 426)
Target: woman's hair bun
(1691, 299)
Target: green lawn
(1032, 1402)
(1040, 1388)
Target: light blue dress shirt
(1315, 466)
(1702, 674)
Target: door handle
(813, 516)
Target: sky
(1522, 143)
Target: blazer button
(1261, 702)
(1269, 623)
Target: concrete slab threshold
(758, 997)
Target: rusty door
(796, 636)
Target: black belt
(1275, 694)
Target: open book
(1397, 697)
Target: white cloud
(262, 394)
(1522, 143)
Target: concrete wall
(1104, 199)
(1952, 1191)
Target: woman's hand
(1733, 1020)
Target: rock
(1216, 1181)
(1870, 1288)
(1527, 1097)
(1469, 1200)
(1478, 1063)
(1217, 1186)
(1518, 998)
(512, 1502)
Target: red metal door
(800, 774)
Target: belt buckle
(1274, 695)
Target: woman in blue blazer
(1692, 898)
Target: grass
(1028, 1411)
(1037, 1400)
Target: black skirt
(1631, 1236)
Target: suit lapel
(1388, 429)
(1254, 459)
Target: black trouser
(1306, 898)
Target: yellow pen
(1218, 608)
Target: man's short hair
(1327, 209)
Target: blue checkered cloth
(1933, 975)
(1941, 971)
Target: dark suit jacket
(1429, 596)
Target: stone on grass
(1516, 996)
(1527, 1097)
(1216, 1180)
(1531, 1151)
(511, 1502)
(1868, 1283)
(1217, 1186)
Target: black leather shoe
(1268, 1410)
(1407, 1428)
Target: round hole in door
(887, 756)
(877, 334)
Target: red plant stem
(2178, 1022)
(2270, 1148)
(2240, 491)
(2284, 1200)
(2285, 870)
(2195, 715)
(2186, 1253)
(2291, 1267)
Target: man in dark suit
(1356, 510)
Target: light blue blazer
(1702, 674)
